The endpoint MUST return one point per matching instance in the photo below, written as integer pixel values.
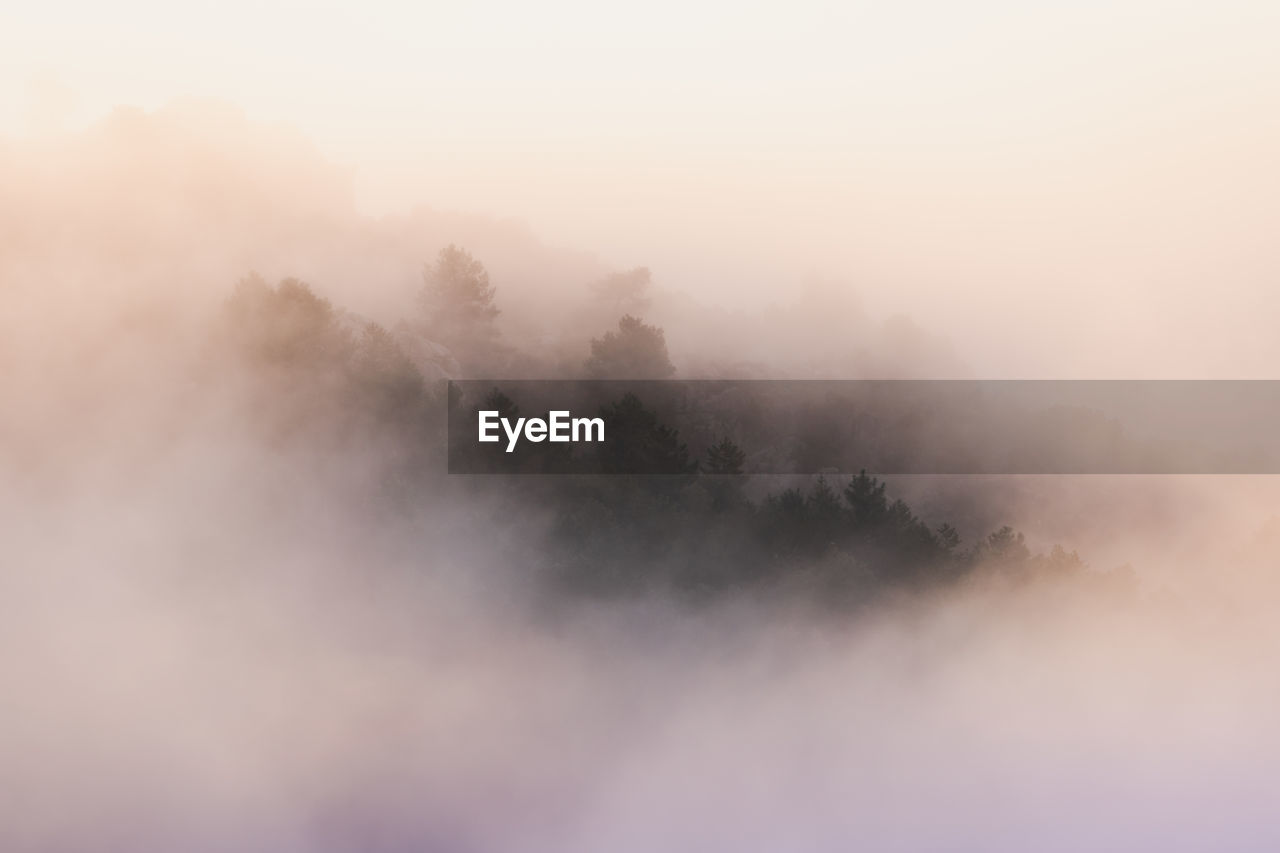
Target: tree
(823, 503)
(499, 402)
(457, 299)
(948, 537)
(286, 327)
(867, 500)
(1005, 549)
(725, 457)
(635, 351)
(639, 444)
(384, 376)
(825, 513)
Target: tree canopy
(635, 351)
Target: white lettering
(587, 424)
(487, 423)
(560, 427)
(513, 435)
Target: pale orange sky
(1102, 165)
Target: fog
(221, 655)
(244, 608)
(1101, 164)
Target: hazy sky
(1106, 158)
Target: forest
(697, 527)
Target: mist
(244, 607)
(1101, 164)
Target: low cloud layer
(239, 611)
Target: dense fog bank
(244, 607)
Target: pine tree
(639, 444)
(635, 351)
(725, 457)
(867, 500)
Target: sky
(1099, 162)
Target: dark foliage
(685, 526)
(635, 351)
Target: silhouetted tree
(783, 525)
(826, 514)
(638, 443)
(1004, 550)
(1059, 562)
(350, 382)
(724, 457)
(867, 500)
(635, 351)
(948, 537)
(823, 502)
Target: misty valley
(327, 531)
